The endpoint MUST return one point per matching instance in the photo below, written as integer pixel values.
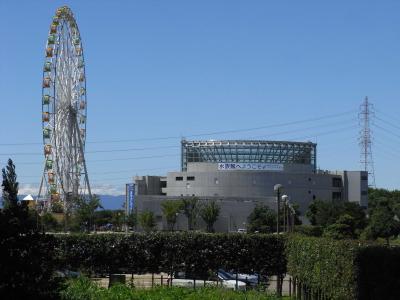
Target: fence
(286, 286)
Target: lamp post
(285, 199)
(277, 189)
(293, 215)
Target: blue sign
(131, 196)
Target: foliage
(383, 222)
(323, 213)
(309, 230)
(57, 207)
(147, 221)
(10, 185)
(118, 219)
(323, 264)
(132, 219)
(262, 219)
(103, 217)
(343, 228)
(83, 288)
(49, 222)
(209, 212)
(85, 211)
(171, 209)
(297, 214)
(379, 272)
(195, 253)
(190, 208)
(27, 257)
(344, 269)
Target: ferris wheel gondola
(64, 113)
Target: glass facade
(246, 151)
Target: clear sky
(172, 69)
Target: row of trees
(192, 208)
(347, 220)
(88, 214)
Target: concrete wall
(238, 191)
(301, 187)
(356, 183)
(233, 213)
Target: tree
(131, 219)
(171, 209)
(27, 257)
(261, 219)
(85, 211)
(343, 228)
(103, 217)
(117, 219)
(147, 221)
(49, 223)
(190, 209)
(209, 212)
(10, 185)
(383, 221)
(323, 213)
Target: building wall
(238, 192)
(301, 187)
(233, 211)
(356, 183)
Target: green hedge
(196, 253)
(345, 269)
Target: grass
(84, 289)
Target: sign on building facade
(249, 167)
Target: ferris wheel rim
(64, 23)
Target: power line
(387, 131)
(207, 133)
(177, 146)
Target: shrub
(196, 253)
(345, 269)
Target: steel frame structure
(64, 112)
(248, 151)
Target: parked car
(228, 284)
(184, 280)
(250, 279)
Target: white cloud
(99, 189)
(108, 189)
(25, 189)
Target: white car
(228, 284)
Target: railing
(285, 286)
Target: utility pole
(365, 140)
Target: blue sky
(172, 69)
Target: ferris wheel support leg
(40, 189)
(41, 184)
(84, 161)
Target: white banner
(249, 167)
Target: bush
(309, 230)
(28, 262)
(345, 269)
(196, 253)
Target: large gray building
(240, 174)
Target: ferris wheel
(64, 110)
